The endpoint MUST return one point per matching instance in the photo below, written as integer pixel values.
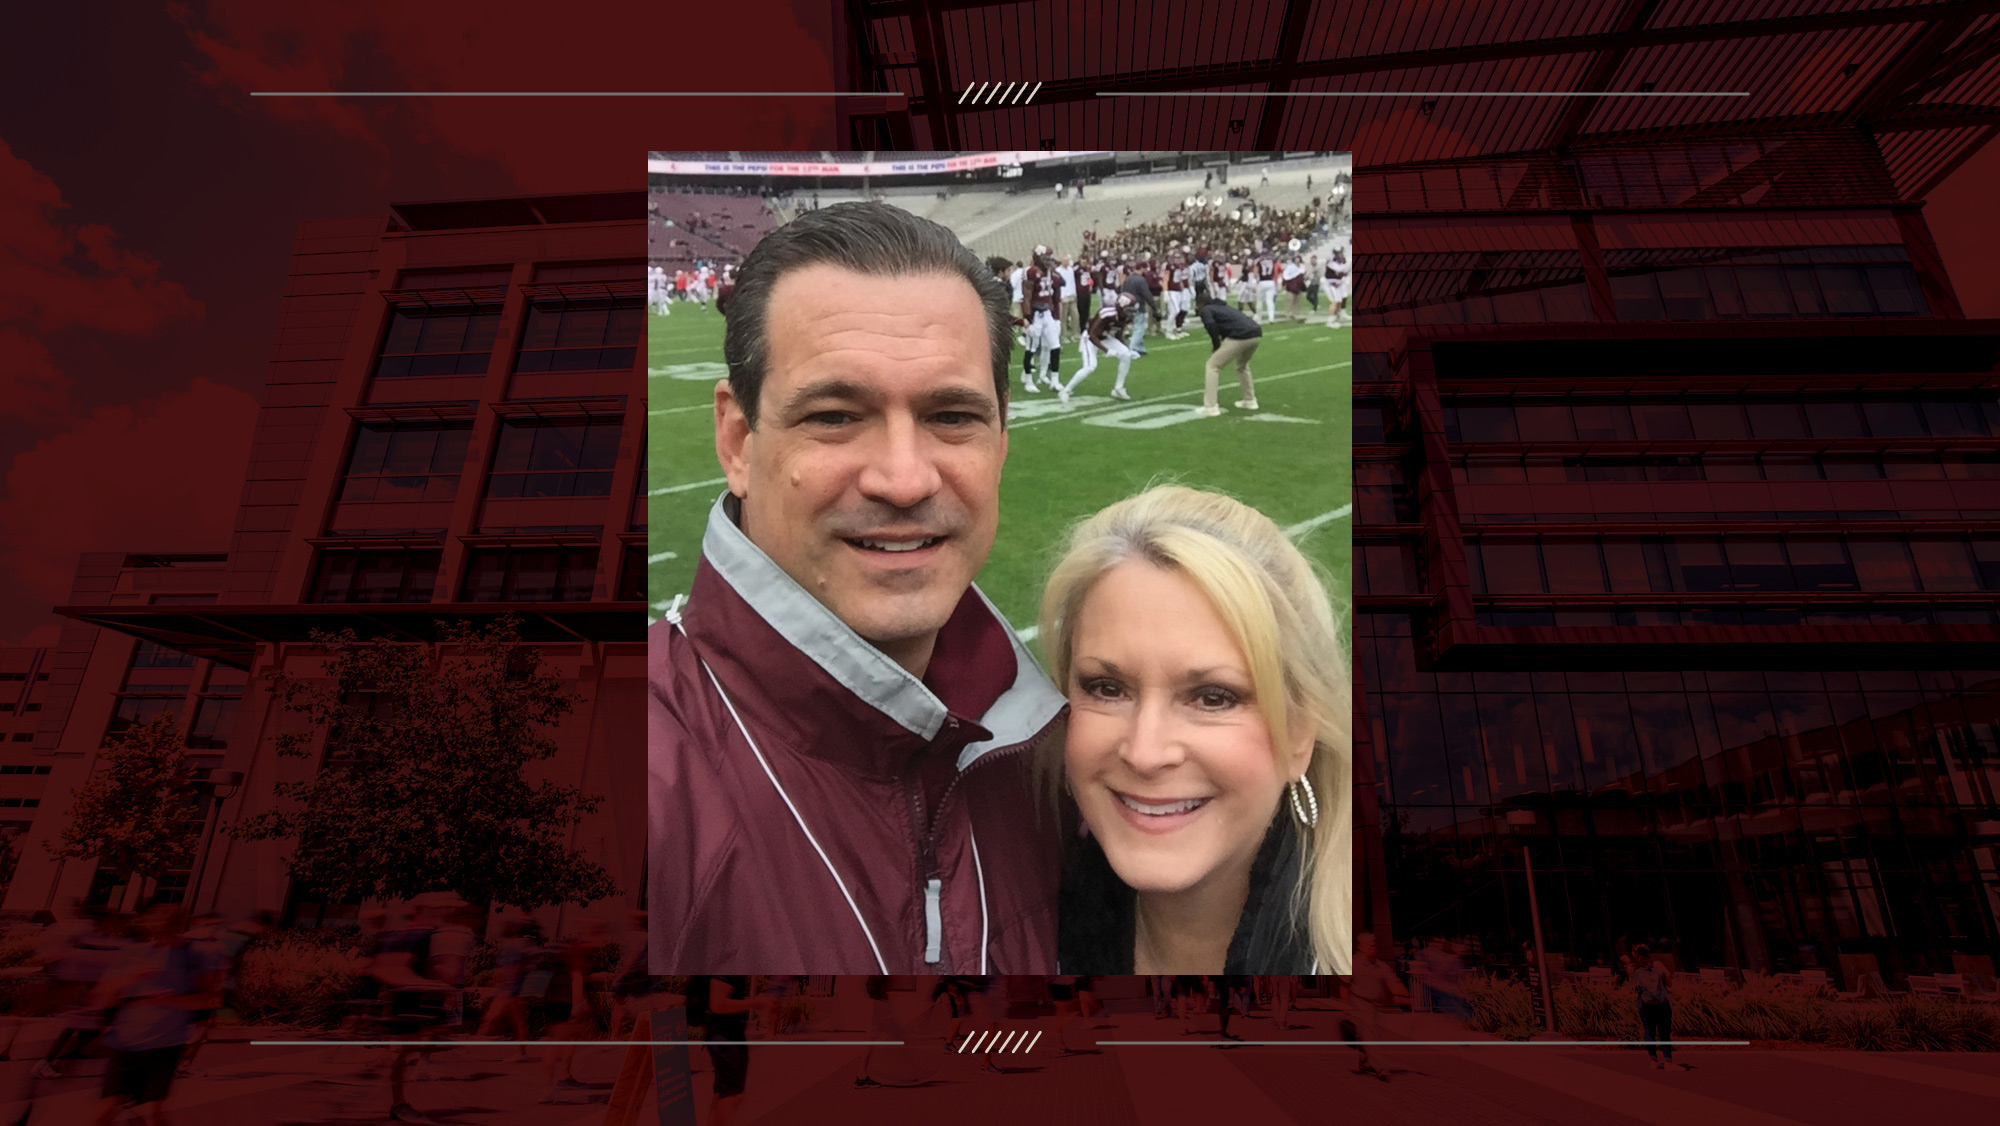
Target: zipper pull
(933, 922)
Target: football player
(1335, 283)
(1106, 334)
(1267, 287)
(1041, 290)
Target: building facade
(452, 430)
(1677, 542)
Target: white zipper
(933, 922)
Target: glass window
(1805, 293)
(1392, 567)
(149, 655)
(530, 574)
(393, 574)
(1790, 467)
(593, 334)
(1573, 566)
(1698, 564)
(1776, 420)
(1835, 420)
(1661, 421)
(1718, 420)
(1820, 563)
(1943, 563)
(1603, 422)
(444, 340)
(1896, 291)
(1851, 467)
(1954, 419)
(1629, 568)
(1722, 289)
(213, 717)
(1882, 563)
(1368, 428)
(406, 461)
(1764, 291)
(1723, 467)
(133, 711)
(555, 457)
(1757, 563)
(1682, 295)
(1545, 424)
(1636, 297)
(632, 574)
(1494, 471)
(1486, 424)
(1912, 466)
(1986, 557)
(1846, 289)
(1894, 420)
(1510, 566)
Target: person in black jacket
(1233, 338)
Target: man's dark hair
(867, 238)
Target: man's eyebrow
(960, 397)
(825, 389)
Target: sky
(148, 204)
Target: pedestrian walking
(1651, 980)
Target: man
(1040, 299)
(1066, 275)
(1146, 306)
(154, 989)
(1335, 283)
(1294, 281)
(1104, 335)
(1233, 337)
(1177, 292)
(841, 724)
(1267, 287)
(1373, 989)
(728, 1006)
(1650, 980)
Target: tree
(134, 813)
(423, 786)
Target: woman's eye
(1215, 699)
(1102, 689)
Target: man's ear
(732, 436)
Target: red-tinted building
(1675, 455)
(452, 429)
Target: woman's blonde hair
(1274, 602)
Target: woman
(1207, 747)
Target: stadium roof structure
(1811, 84)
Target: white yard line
(1119, 406)
(663, 490)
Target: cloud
(56, 276)
(31, 386)
(162, 475)
(546, 144)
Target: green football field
(1292, 459)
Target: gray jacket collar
(1019, 715)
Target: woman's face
(1169, 756)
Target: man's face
(873, 475)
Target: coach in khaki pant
(1234, 336)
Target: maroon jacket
(814, 808)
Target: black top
(1094, 925)
(1225, 323)
(730, 1026)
